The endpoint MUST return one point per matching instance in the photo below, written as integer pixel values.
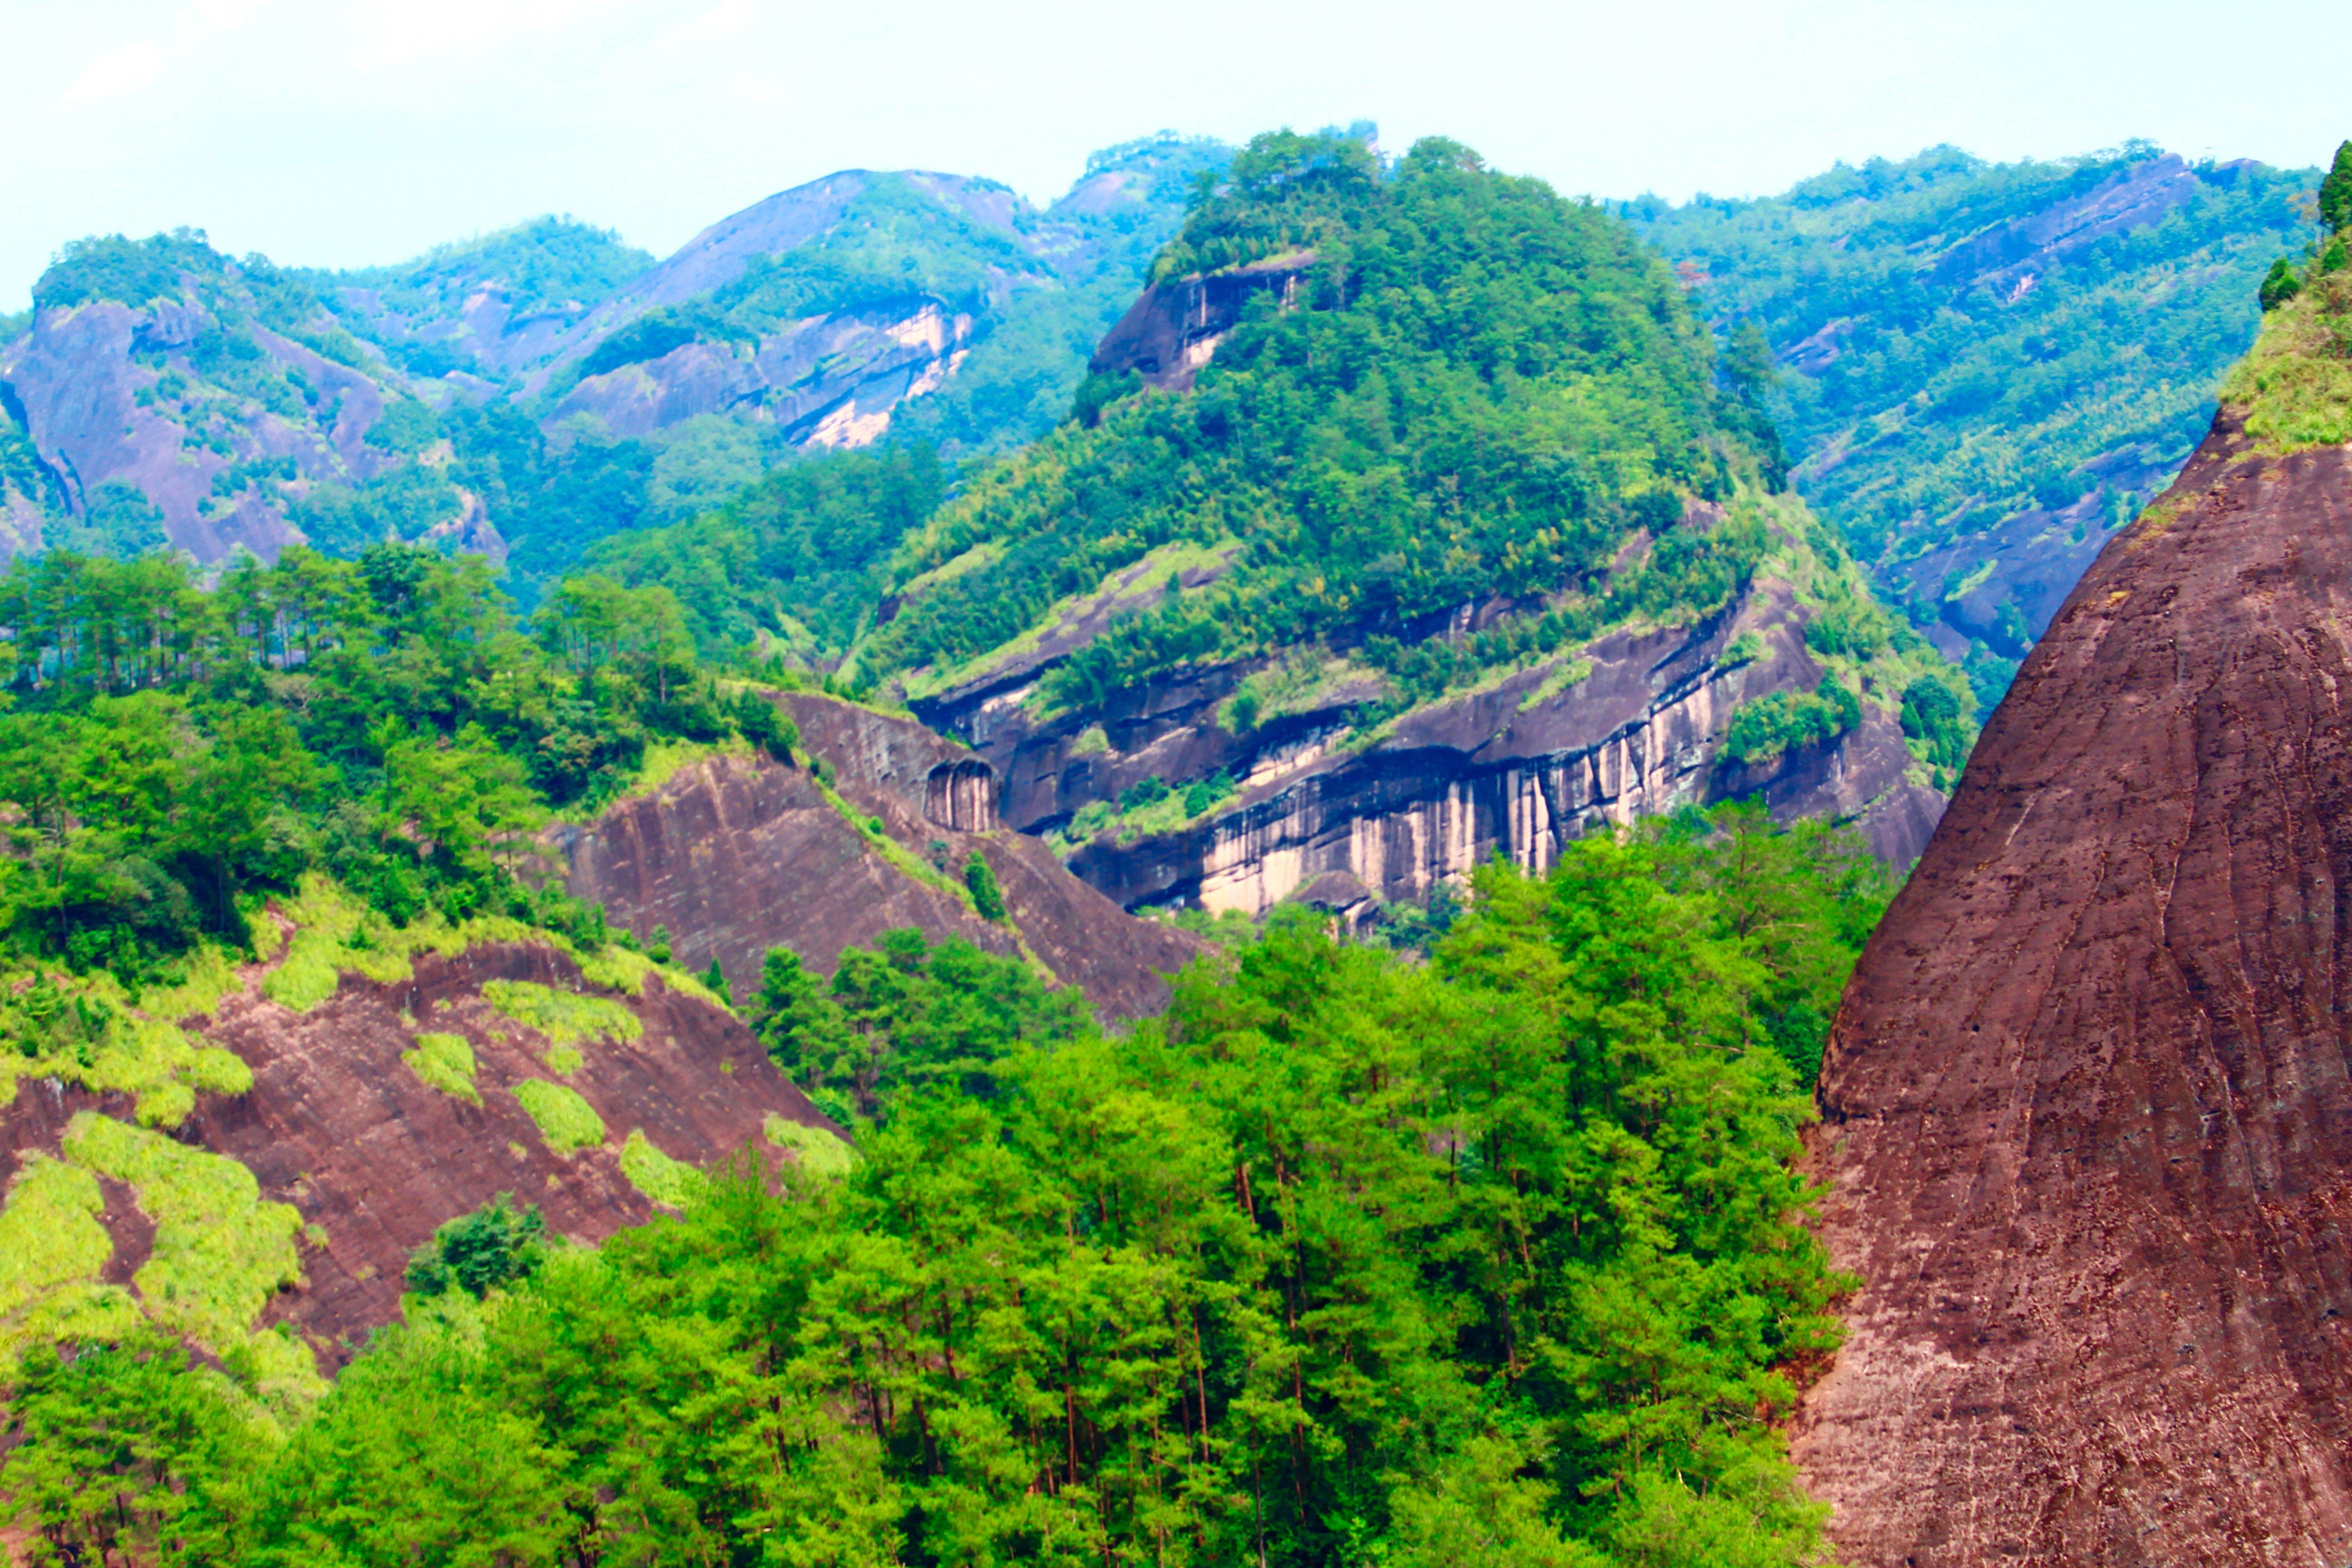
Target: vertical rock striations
(2088, 1104)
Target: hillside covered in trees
(1989, 368)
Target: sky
(347, 133)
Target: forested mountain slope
(2083, 1099)
(1450, 540)
(526, 394)
(1992, 366)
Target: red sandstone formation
(2088, 1104)
(735, 857)
(339, 1126)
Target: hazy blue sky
(345, 133)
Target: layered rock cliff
(1326, 807)
(2087, 1102)
(736, 856)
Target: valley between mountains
(1312, 857)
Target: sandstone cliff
(2087, 1101)
(1629, 725)
(735, 857)
(369, 1147)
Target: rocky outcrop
(1174, 328)
(1629, 726)
(374, 1159)
(95, 415)
(735, 857)
(2086, 1103)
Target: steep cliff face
(736, 857)
(1324, 808)
(372, 1157)
(2087, 1104)
(1174, 328)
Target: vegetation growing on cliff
(1481, 390)
(1940, 390)
(1349, 1258)
(172, 752)
(2295, 388)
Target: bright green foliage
(903, 1014)
(445, 1062)
(1930, 407)
(980, 881)
(87, 1030)
(565, 1018)
(564, 1120)
(817, 1151)
(1349, 1258)
(1477, 388)
(1933, 715)
(220, 1251)
(2295, 387)
(670, 1182)
(121, 1448)
(172, 752)
(478, 1252)
(51, 1250)
(1762, 730)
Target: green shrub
(445, 1062)
(493, 1245)
(670, 1182)
(986, 897)
(1770, 726)
(564, 1120)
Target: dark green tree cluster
(168, 749)
(2327, 254)
(1784, 720)
(905, 1015)
(1476, 389)
(1490, 1259)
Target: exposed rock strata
(2088, 1112)
(1174, 328)
(338, 1126)
(736, 857)
(1452, 784)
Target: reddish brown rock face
(339, 1126)
(2087, 1110)
(735, 857)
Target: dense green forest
(172, 752)
(1942, 386)
(1482, 390)
(1351, 1259)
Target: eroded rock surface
(376, 1159)
(735, 857)
(2088, 1111)
(1519, 768)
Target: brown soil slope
(2088, 1104)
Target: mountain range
(1192, 876)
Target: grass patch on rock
(565, 1121)
(818, 1152)
(52, 1248)
(445, 1062)
(565, 1018)
(673, 1183)
(220, 1250)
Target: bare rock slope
(2088, 1115)
(735, 857)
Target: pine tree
(2335, 192)
(716, 979)
(985, 895)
